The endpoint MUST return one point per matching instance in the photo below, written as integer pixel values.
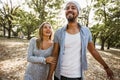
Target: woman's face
(47, 30)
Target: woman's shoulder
(33, 39)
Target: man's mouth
(70, 15)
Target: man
(70, 44)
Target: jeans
(55, 78)
(66, 78)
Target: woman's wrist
(44, 61)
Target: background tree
(95, 32)
(3, 24)
(8, 11)
(28, 23)
(85, 13)
(107, 23)
(114, 23)
(46, 10)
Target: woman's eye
(45, 27)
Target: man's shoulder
(84, 28)
(60, 30)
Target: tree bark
(4, 32)
(102, 43)
(94, 40)
(28, 34)
(9, 30)
(108, 45)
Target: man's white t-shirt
(70, 66)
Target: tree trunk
(15, 34)
(102, 44)
(108, 45)
(103, 39)
(9, 30)
(94, 40)
(28, 35)
(4, 32)
(87, 23)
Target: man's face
(71, 12)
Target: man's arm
(53, 66)
(97, 56)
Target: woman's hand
(51, 60)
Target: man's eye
(73, 7)
(66, 8)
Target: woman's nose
(48, 28)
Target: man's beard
(71, 18)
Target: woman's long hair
(40, 33)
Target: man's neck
(73, 28)
(72, 25)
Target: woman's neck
(46, 38)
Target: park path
(13, 61)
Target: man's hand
(109, 73)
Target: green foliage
(46, 10)
(109, 22)
(8, 13)
(28, 23)
(84, 14)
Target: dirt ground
(13, 62)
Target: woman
(39, 52)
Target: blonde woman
(39, 52)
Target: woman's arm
(31, 57)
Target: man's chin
(71, 20)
